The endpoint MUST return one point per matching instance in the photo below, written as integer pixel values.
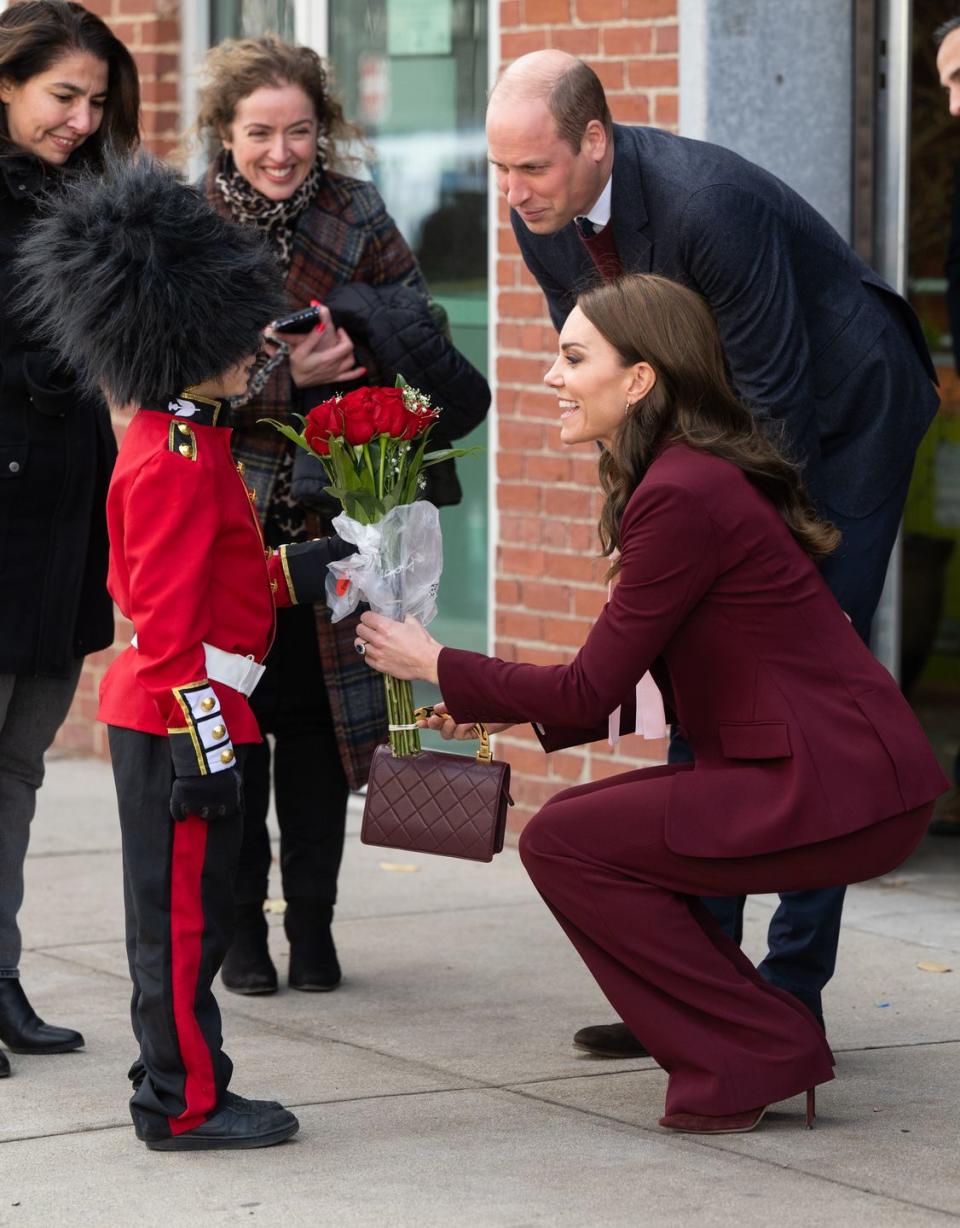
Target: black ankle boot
(247, 967)
(314, 966)
(4, 1066)
(23, 1032)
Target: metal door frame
(881, 186)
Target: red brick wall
(151, 29)
(548, 581)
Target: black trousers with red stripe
(178, 894)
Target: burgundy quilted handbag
(434, 802)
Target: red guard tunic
(188, 568)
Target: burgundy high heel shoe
(731, 1123)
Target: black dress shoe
(22, 1031)
(609, 1040)
(4, 1066)
(247, 967)
(236, 1126)
(314, 967)
(616, 1039)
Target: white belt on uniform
(231, 668)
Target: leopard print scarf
(277, 219)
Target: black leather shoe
(314, 967)
(236, 1126)
(609, 1040)
(230, 1100)
(247, 967)
(4, 1066)
(22, 1031)
(616, 1039)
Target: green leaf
(289, 433)
(435, 458)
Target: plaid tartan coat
(345, 235)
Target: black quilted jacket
(394, 332)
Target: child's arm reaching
(298, 572)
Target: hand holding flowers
(372, 442)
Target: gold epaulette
(180, 438)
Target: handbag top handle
(484, 753)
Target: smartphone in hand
(299, 321)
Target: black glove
(217, 796)
(306, 565)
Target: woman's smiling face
(592, 384)
(273, 139)
(52, 113)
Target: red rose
(322, 422)
(417, 421)
(389, 416)
(356, 411)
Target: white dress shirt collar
(599, 214)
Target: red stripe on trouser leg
(186, 938)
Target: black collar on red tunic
(193, 408)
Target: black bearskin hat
(141, 287)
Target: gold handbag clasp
(484, 754)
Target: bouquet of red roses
(373, 445)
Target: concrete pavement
(438, 1086)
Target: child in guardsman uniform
(139, 285)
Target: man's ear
(595, 140)
(643, 379)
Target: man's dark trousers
(805, 929)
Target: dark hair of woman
(237, 67)
(654, 320)
(36, 33)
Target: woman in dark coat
(68, 90)
(269, 106)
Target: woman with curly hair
(270, 109)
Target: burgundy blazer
(799, 733)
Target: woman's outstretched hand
(404, 650)
(448, 728)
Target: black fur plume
(140, 287)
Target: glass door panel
(413, 74)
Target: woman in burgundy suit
(811, 770)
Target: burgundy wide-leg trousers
(728, 1040)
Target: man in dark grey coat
(816, 342)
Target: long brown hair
(654, 320)
(36, 33)
(236, 67)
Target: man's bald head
(571, 90)
(550, 139)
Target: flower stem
(383, 457)
(403, 742)
(369, 463)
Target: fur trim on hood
(137, 284)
